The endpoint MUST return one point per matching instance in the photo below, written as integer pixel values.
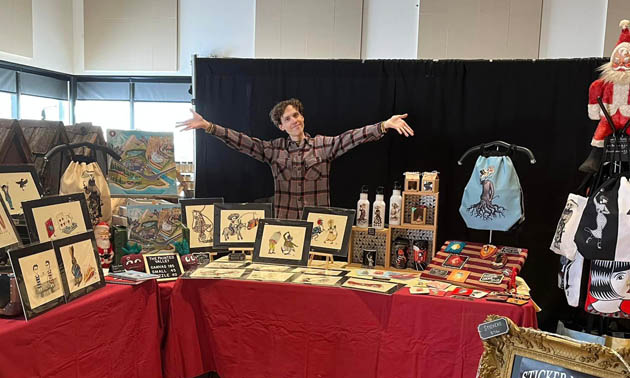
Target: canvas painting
(80, 260)
(56, 217)
(19, 183)
(235, 225)
(198, 216)
(270, 276)
(312, 279)
(282, 241)
(147, 164)
(370, 285)
(331, 229)
(39, 278)
(8, 234)
(155, 227)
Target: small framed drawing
(332, 228)
(9, 237)
(38, 277)
(56, 217)
(198, 216)
(283, 241)
(19, 183)
(236, 224)
(81, 264)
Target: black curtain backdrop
(452, 105)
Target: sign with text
(166, 265)
(524, 367)
(492, 329)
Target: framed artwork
(283, 241)
(370, 285)
(38, 277)
(19, 183)
(526, 352)
(332, 228)
(81, 264)
(269, 268)
(258, 275)
(56, 217)
(198, 216)
(216, 273)
(236, 224)
(8, 234)
(155, 226)
(147, 164)
(313, 279)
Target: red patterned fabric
(476, 266)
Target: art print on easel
(198, 216)
(19, 183)
(57, 217)
(8, 234)
(331, 229)
(282, 241)
(39, 279)
(236, 224)
(81, 262)
(147, 164)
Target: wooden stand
(248, 252)
(328, 258)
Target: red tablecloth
(258, 329)
(112, 332)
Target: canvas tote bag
(88, 179)
(563, 240)
(492, 198)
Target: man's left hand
(398, 123)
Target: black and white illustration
(19, 183)
(596, 233)
(485, 208)
(198, 216)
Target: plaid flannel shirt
(301, 172)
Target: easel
(247, 251)
(328, 258)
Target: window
(162, 116)
(33, 107)
(107, 114)
(6, 105)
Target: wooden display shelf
(428, 227)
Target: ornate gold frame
(594, 359)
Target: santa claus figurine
(613, 87)
(104, 245)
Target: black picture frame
(33, 255)
(7, 224)
(90, 254)
(242, 209)
(16, 210)
(187, 203)
(29, 207)
(274, 227)
(349, 214)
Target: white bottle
(395, 206)
(378, 215)
(363, 208)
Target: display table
(259, 329)
(113, 332)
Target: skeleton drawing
(378, 219)
(202, 225)
(485, 209)
(288, 247)
(600, 202)
(564, 219)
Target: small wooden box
(430, 182)
(419, 215)
(412, 181)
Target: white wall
(52, 37)
(390, 29)
(572, 28)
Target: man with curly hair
(300, 163)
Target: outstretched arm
(254, 147)
(344, 142)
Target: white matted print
(328, 230)
(18, 184)
(198, 216)
(282, 241)
(8, 233)
(82, 269)
(59, 221)
(41, 277)
(370, 285)
(269, 276)
(236, 224)
(314, 279)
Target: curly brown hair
(278, 109)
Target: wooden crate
(42, 136)
(14, 148)
(369, 238)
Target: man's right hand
(196, 122)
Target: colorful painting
(235, 225)
(80, 260)
(19, 183)
(156, 227)
(331, 229)
(281, 241)
(147, 164)
(57, 217)
(39, 278)
(198, 216)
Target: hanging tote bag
(570, 278)
(607, 293)
(492, 198)
(88, 179)
(604, 229)
(563, 240)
